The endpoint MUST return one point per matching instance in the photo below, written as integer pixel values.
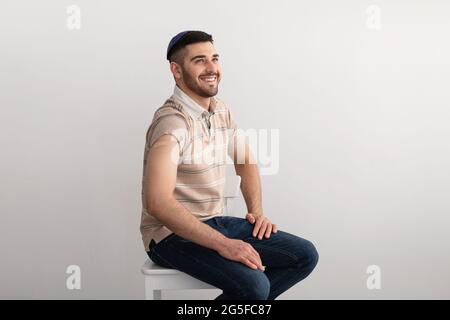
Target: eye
(199, 60)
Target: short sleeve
(173, 125)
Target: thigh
(205, 264)
(283, 249)
(235, 227)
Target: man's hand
(262, 225)
(241, 251)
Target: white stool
(158, 278)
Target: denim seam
(287, 253)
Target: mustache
(209, 74)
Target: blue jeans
(288, 260)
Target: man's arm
(250, 180)
(246, 166)
(161, 174)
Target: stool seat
(158, 278)
(152, 268)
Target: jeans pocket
(170, 236)
(153, 245)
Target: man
(183, 225)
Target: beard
(206, 91)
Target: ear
(176, 70)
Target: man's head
(194, 63)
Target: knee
(256, 287)
(310, 257)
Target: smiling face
(199, 72)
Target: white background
(364, 137)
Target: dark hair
(181, 40)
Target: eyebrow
(203, 56)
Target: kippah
(173, 42)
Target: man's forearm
(179, 220)
(250, 186)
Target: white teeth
(209, 79)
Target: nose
(211, 67)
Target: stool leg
(157, 295)
(150, 292)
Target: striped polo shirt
(203, 137)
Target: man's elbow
(157, 204)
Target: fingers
(256, 255)
(263, 229)
(258, 261)
(254, 262)
(248, 263)
(241, 251)
(274, 228)
(254, 258)
(268, 230)
(257, 226)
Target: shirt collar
(193, 108)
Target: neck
(202, 101)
